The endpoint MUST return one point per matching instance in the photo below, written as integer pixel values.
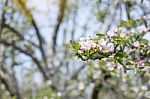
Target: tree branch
(41, 40)
(60, 17)
(36, 61)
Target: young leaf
(121, 55)
(100, 35)
(75, 45)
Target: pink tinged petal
(111, 33)
(80, 51)
(136, 44)
(143, 29)
(102, 42)
(122, 35)
(110, 47)
(99, 47)
(81, 86)
(88, 38)
(81, 39)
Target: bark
(60, 18)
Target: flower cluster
(136, 44)
(118, 57)
(87, 43)
(103, 45)
(126, 49)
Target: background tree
(34, 58)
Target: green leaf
(147, 63)
(101, 35)
(102, 63)
(121, 55)
(75, 45)
(143, 42)
(128, 24)
(72, 42)
(129, 63)
(5, 8)
(119, 41)
(141, 67)
(87, 53)
(134, 36)
(68, 46)
(100, 15)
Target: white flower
(111, 33)
(144, 87)
(102, 42)
(2, 86)
(102, 45)
(110, 47)
(99, 47)
(147, 94)
(87, 43)
(122, 35)
(45, 97)
(49, 82)
(81, 86)
(142, 29)
(80, 51)
(84, 57)
(59, 94)
(135, 89)
(109, 66)
(127, 50)
(82, 39)
(88, 38)
(96, 75)
(136, 44)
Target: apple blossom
(122, 35)
(99, 47)
(136, 44)
(142, 29)
(102, 42)
(111, 33)
(81, 86)
(59, 94)
(80, 51)
(87, 44)
(117, 55)
(110, 66)
(110, 47)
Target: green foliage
(121, 55)
(128, 24)
(74, 45)
(143, 42)
(112, 47)
(101, 15)
(131, 23)
(100, 35)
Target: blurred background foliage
(36, 63)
